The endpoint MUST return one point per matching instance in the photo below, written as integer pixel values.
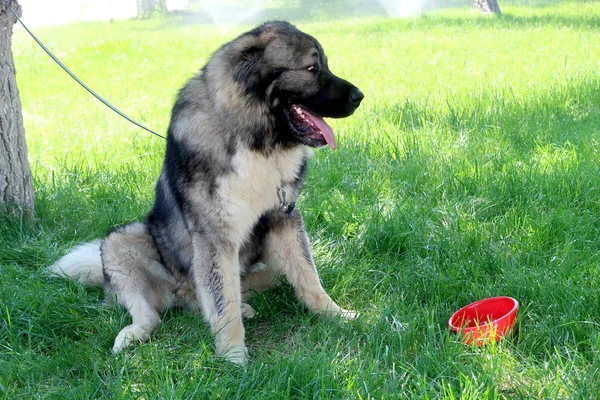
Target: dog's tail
(82, 264)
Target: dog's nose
(356, 96)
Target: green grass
(471, 170)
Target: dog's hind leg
(144, 320)
(135, 277)
(287, 248)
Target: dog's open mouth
(311, 129)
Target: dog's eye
(312, 68)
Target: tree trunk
(148, 7)
(16, 186)
(488, 6)
(161, 6)
(145, 7)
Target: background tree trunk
(148, 7)
(16, 186)
(488, 6)
(145, 7)
(161, 6)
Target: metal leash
(86, 87)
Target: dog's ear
(247, 69)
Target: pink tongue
(325, 129)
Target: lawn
(471, 170)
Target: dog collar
(283, 204)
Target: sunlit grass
(471, 170)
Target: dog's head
(287, 70)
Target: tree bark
(145, 7)
(488, 6)
(16, 186)
(161, 6)
(148, 7)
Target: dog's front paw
(121, 342)
(236, 354)
(129, 335)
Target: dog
(224, 223)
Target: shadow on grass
(80, 205)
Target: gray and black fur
(217, 232)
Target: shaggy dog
(224, 222)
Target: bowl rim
(475, 304)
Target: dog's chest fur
(251, 189)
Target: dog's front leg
(218, 288)
(287, 248)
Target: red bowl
(486, 320)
